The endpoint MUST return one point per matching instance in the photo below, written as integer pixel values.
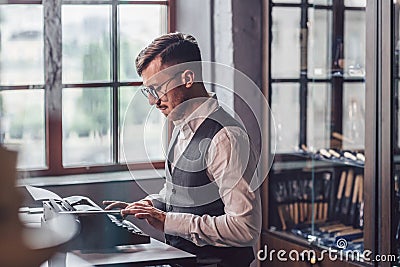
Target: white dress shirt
(229, 154)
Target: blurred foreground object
(19, 245)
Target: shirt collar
(190, 124)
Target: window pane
(355, 3)
(137, 31)
(286, 112)
(142, 128)
(86, 43)
(319, 39)
(354, 43)
(286, 1)
(285, 48)
(320, 2)
(354, 116)
(22, 126)
(21, 44)
(318, 116)
(89, 1)
(86, 126)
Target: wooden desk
(154, 253)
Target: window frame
(53, 87)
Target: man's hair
(173, 48)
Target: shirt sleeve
(231, 164)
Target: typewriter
(97, 228)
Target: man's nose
(153, 100)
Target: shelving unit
(381, 171)
(317, 200)
(313, 199)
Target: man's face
(171, 93)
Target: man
(206, 206)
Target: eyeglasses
(153, 91)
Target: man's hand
(143, 210)
(113, 204)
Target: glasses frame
(153, 91)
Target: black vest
(189, 190)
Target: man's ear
(188, 78)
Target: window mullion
(171, 15)
(337, 70)
(303, 93)
(53, 84)
(114, 97)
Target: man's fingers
(136, 210)
(139, 204)
(145, 202)
(110, 204)
(148, 202)
(153, 216)
(143, 216)
(114, 204)
(148, 216)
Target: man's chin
(165, 112)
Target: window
(68, 78)
(317, 69)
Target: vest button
(173, 191)
(170, 208)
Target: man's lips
(162, 107)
